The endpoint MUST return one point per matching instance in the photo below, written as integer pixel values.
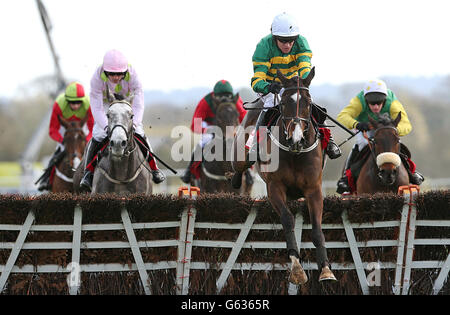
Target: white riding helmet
(375, 85)
(284, 25)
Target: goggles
(110, 74)
(285, 40)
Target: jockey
(73, 104)
(122, 79)
(205, 113)
(284, 49)
(373, 100)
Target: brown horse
(299, 172)
(216, 167)
(74, 143)
(383, 171)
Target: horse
(299, 172)
(214, 174)
(383, 170)
(74, 142)
(123, 168)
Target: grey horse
(123, 167)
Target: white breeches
(360, 140)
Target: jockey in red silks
(204, 115)
(122, 79)
(71, 105)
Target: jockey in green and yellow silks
(375, 99)
(285, 50)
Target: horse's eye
(132, 116)
(107, 116)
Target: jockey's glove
(362, 126)
(274, 87)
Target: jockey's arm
(202, 111)
(347, 116)
(261, 66)
(240, 108)
(138, 99)
(404, 126)
(90, 124)
(55, 124)
(96, 98)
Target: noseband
(287, 122)
(129, 135)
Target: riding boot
(254, 146)
(416, 178)
(186, 177)
(342, 184)
(157, 175)
(88, 175)
(333, 150)
(57, 156)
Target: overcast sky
(181, 44)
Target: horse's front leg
(277, 197)
(314, 201)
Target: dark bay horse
(74, 144)
(299, 171)
(216, 165)
(383, 171)
(123, 168)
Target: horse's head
(74, 140)
(386, 147)
(120, 126)
(227, 116)
(295, 106)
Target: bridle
(287, 122)
(129, 134)
(372, 142)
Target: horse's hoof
(236, 181)
(327, 274)
(298, 275)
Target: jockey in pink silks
(120, 78)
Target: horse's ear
(373, 122)
(63, 121)
(130, 98)
(109, 96)
(308, 79)
(397, 119)
(282, 78)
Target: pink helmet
(115, 61)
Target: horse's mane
(385, 119)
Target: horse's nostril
(124, 143)
(112, 143)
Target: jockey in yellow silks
(375, 99)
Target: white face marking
(76, 162)
(119, 114)
(297, 134)
(294, 97)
